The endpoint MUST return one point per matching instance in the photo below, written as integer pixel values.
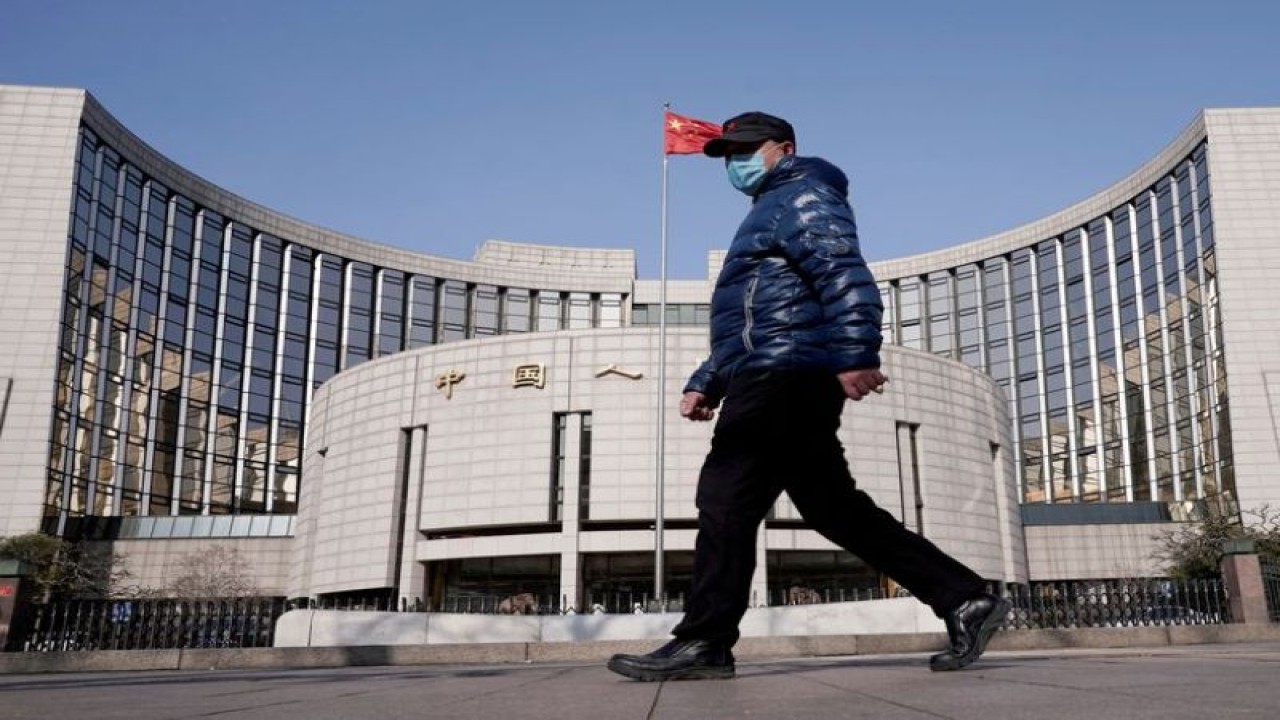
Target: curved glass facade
(1107, 340)
(191, 343)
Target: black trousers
(776, 432)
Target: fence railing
(1271, 586)
(612, 603)
(123, 624)
(514, 604)
(801, 595)
(113, 624)
(1109, 603)
(1117, 603)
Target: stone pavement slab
(1168, 683)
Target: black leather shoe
(970, 626)
(677, 660)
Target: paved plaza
(1169, 683)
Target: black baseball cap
(747, 128)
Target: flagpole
(659, 524)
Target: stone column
(412, 572)
(1242, 575)
(760, 578)
(571, 487)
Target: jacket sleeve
(820, 239)
(707, 381)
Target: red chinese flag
(686, 135)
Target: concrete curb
(598, 651)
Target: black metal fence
(154, 624)
(1117, 603)
(799, 595)
(374, 603)
(497, 604)
(1271, 584)
(1103, 603)
(519, 604)
(250, 622)
(612, 603)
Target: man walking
(795, 331)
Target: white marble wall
(153, 564)
(1075, 552)
(488, 454)
(1244, 177)
(38, 129)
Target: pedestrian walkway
(1168, 683)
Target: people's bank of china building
(180, 367)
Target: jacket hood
(794, 167)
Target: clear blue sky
(434, 126)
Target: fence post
(17, 609)
(1242, 575)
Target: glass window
(910, 335)
(910, 309)
(673, 313)
(391, 312)
(998, 365)
(702, 314)
(1124, 270)
(548, 311)
(1053, 355)
(1020, 267)
(1186, 209)
(1072, 257)
(969, 327)
(270, 261)
(202, 526)
(941, 336)
(1027, 351)
(516, 311)
(1077, 305)
(163, 527)
(422, 311)
(611, 311)
(221, 526)
(1047, 264)
(688, 314)
(359, 326)
(211, 238)
(640, 315)
(240, 261)
(485, 310)
(261, 526)
(940, 294)
(1024, 316)
(281, 525)
(240, 525)
(453, 298)
(889, 318)
(997, 324)
(909, 305)
(941, 314)
(297, 319)
(967, 295)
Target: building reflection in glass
(191, 344)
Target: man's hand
(694, 406)
(858, 384)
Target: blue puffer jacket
(794, 291)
